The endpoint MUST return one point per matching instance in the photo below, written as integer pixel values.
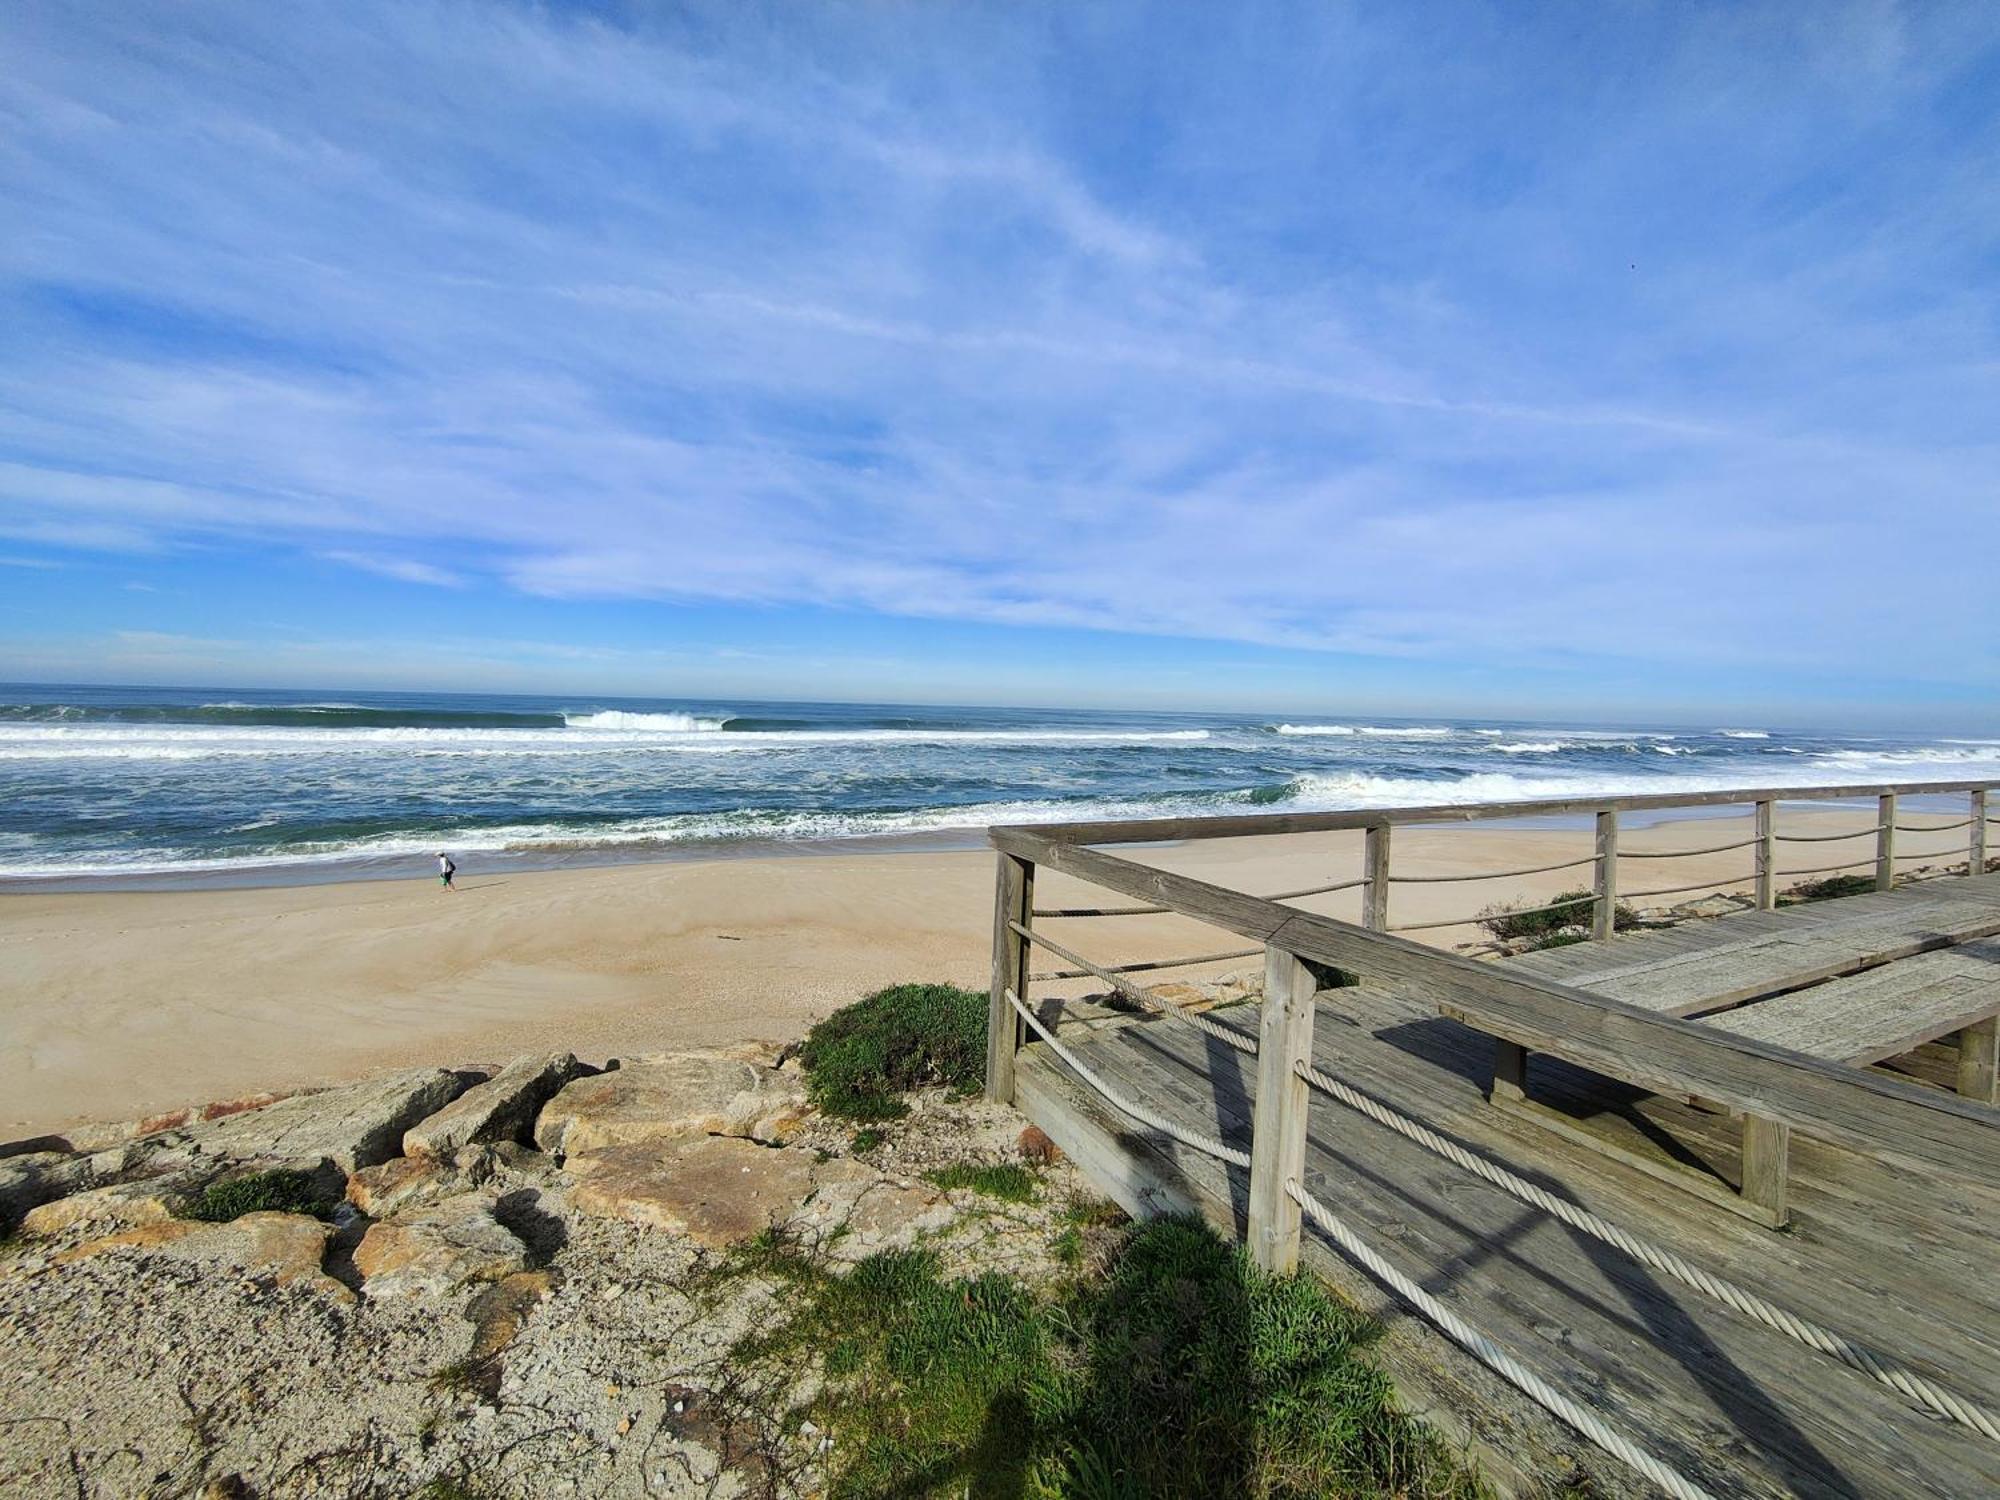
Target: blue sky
(1574, 359)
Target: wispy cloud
(1661, 336)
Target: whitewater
(108, 782)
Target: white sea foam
(612, 718)
(1744, 734)
(1532, 747)
(1309, 729)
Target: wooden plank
(1767, 855)
(1013, 901)
(1979, 1061)
(1885, 844)
(1375, 894)
(1883, 1013)
(1860, 1110)
(1278, 1128)
(1254, 825)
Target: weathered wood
(1883, 1013)
(1604, 915)
(1510, 1072)
(1885, 844)
(1767, 1151)
(1977, 841)
(1013, 901)
(1375, 862)
(1979, 1061)
(1767, 855)
(1250, 825)
(1278, 1129)
(1835, 1103)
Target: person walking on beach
(446, 869)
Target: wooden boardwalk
(1895, 1256)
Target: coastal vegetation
(1162, 1365)
(1547, 924)
(282, 1191)
(908, 1036)
(1827, 888)
(1006, 1180)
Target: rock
(721, 1190)
(402, 1182)
(122, 1205)
(34, 1177)
(357, 1125)
(1715, 906)
(502, 1108)
(438, 1250)
(498, 1312)
(676, 1094)
(286, 1248)
(1035, 1145)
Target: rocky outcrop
(286, 1249)
(503, 1108)
(121, 1205)
(434, 1252)
(662, 1097)
(720, 1190)
(34, 1177)
(357, 1125)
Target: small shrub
(1828, 888)
(1004, 1180)
(283, 1191)
(867, 1140)
(1568, 909)
(1067, 1247)
(909, 1036)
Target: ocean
(149, 785)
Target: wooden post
(1885, 845)
(1767, 855)
(1767, 1150)
(1979, 1061)
(1977, 864)
(1013, 901)
(1278, 1116)
(1605, 914)
(1375, 895)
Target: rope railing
(1209, 1145)
(1158, 963)
(1827, 838)
(1878, 1366)
(1154, 911)
(1150, 1003)
(1568, 864)
(1852, 864)
(1493, 1356)
(1931, 827)
(1579, 903)
(1685, 853)
(1681, 890)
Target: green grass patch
(1008, 1181)
(1827, 889)
(909, 1036)
(282, 1191)
(1567, 909)
(867, 1140)
(1179, 1370)
(1067, 1246)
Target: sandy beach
(115, 1005)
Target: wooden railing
(1864, 1111)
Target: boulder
(720, 1190)
(34, 1177)
(502, 1108)
(435, 1252)
(499, 1312)
(122, 1205)
(283, 1248)
(400, 1183)
(357, 1125)
(676, 1094)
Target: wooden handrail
(1866, 1112)
(1249, 825)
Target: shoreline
(123, 1004)
(361, 869)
